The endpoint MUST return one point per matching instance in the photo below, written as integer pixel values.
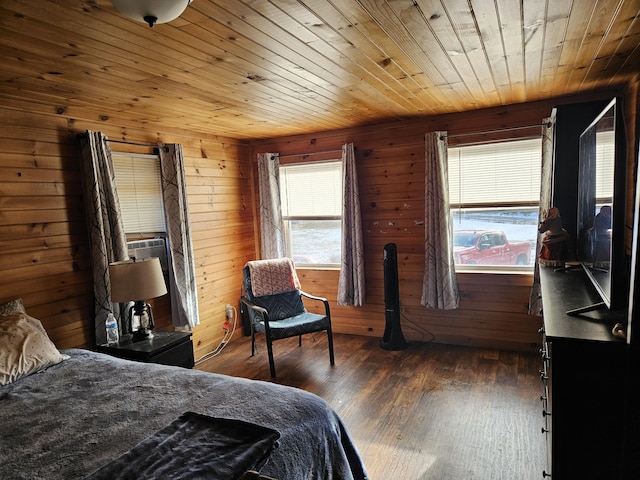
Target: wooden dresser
(584, 366)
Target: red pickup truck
(486, 247)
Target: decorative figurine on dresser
(555, 243)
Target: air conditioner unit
(155, 247)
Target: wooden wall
(390, 162)
(44, 251)
(44, 254)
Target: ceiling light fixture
(152, 11)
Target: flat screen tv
(601, 208)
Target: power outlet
(229, 311)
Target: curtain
(351, 289)
(107, 240)
(182, 272)
(439, 286)
(271, 233)
(546, 178)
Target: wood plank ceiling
(253, 69)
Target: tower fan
(392, 338)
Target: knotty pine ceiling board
(252, 69)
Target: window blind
(605, 154)
(505, 173)
(311, 190)
(139, 185)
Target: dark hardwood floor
(429, 412)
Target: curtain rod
(154, 145)
(309, 154)
(525, 127)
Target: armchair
(275, 305)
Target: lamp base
(141, 334)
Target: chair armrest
(312, 297)
(262, 311)
(319, 299)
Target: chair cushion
(279, 306)
(306, 322)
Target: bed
(80, 413)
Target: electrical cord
(412, 325)
(229, 330)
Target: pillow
(25, 347)
(12, 306)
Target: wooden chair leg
(330, 340)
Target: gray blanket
(195, 447)
(83, 413)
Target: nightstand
(167, 348)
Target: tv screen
(601, 207)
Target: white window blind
(140, 192)
(505, 173)
(311, 191)
(605, 154)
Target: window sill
(525, 270)
(316, 266)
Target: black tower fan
(392, 338)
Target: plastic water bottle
(112, 329)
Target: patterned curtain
(107, 240)
(351, 289)
(546, 178)
(182, 272)
(439, 286)
(270, 211)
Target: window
(140, 191)
(139, 183)
(311, 201)
(494, 193)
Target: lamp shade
(134, 280)
(152, 11)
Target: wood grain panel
(390, 164)
(43, 242)
(262, 69)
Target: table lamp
(137, 280)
